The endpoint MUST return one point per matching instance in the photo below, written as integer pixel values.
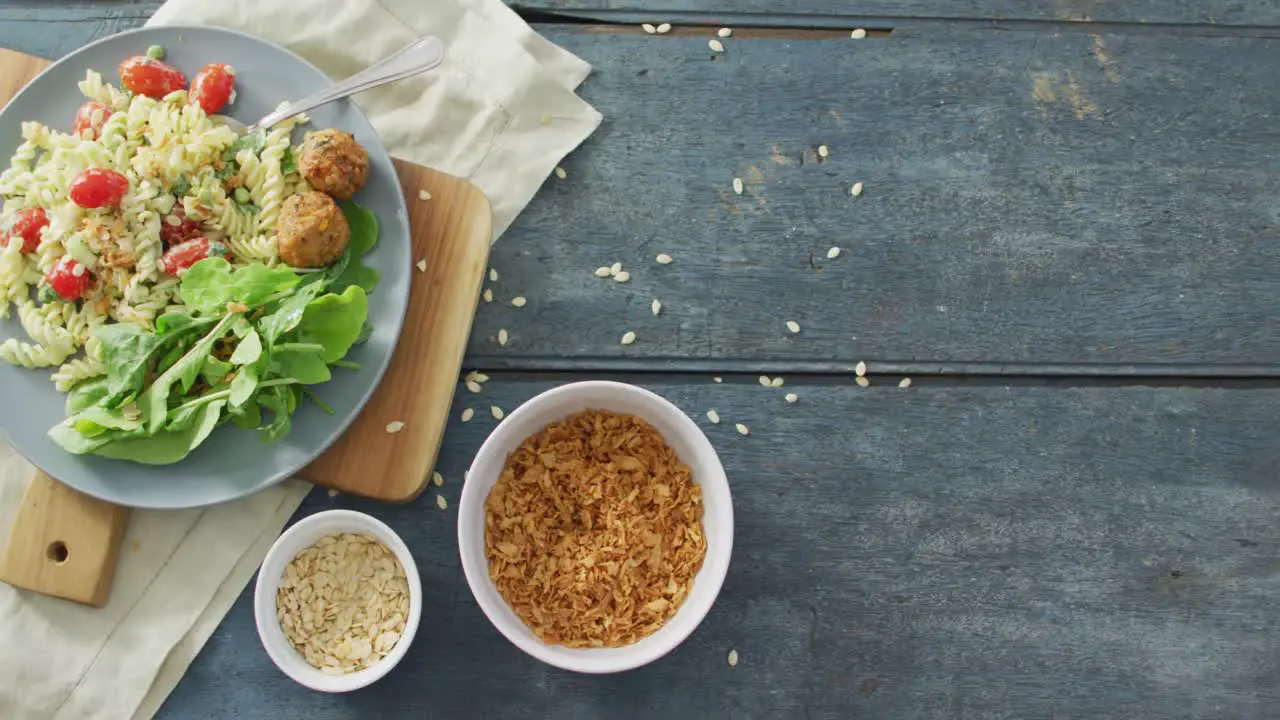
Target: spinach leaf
(69, 439)
(154, 403)
(308, 367)
(209, 285)
(95, 420)
(127, 351)
(246, 417)
(86, 394)
(244, 385)
(248, 350)
(334, 321)
(215, 371)
(364, 236)
(169, 446)
(280, 401)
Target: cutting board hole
(58, 552)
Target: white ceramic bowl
(304, 533)
(693, 448)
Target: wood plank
(983, 552)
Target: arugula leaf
(334, 321)
(308, 368)
(244, 385)
(248, 350)
(288, 163)
(289, 313)
(210, 284)
(86, 394)
(154, 403)
(73, 442)
(166, 447)
(246, 417)
(214, 371)
(280, 401)
(172, 323)
(364, 236)
(127, 351)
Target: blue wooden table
(1069, 240)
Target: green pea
(242, 195)
(155, 52)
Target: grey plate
(232, 462)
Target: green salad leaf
(209, 285)
(334, 322)
(364, 236)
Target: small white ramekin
(693, 449)
(304, 533)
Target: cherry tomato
(150, 77)
(85, 119)
(212, 87)
(96, 187)
(186, 254)
(69, 278)
(27, 225)
(180, 229)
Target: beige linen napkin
(499, 111)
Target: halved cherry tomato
(184, 255)
(178, 229)
(27, 225)
(92, 116)
(98, 187)
(69, 278)
(212, 87)
(150, 77)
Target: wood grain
(933, 552)
(63, 543)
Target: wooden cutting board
(65, 543)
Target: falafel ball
(312, 232)
(333, 162)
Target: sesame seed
(833, 253)
(473, 386)
(764, 380)
(856, 190)
(860, 369)
(904, 382)
(713, 416)
(603, 271)
(493, 275)
(733, 658)
(622, 276)
(664, 28)
(424, 195)
(395, 426)
(716, 46)
(442, 503)
(467, 414)
(791, 397)
(793, 326)
(496, 412)
(648, 28)
(560, 173)
(518, 301)
(655, 306)
(663, 259)
(862, 381)
(437, 478)
(858, 34)
(422, 265)
(488, 295)
(777, 382)
(615, 268)
(503, 336)
(477, 376)
(717, 380)
(737, 185)
(742, 429)
(628, 337)
(725, 32)
(823, 151)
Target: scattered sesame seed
(862, 381)
(467, 414)
(904, 382)
(395, 426)
(603, 272)
(560, 173)
(648, 28)
(518, 301)
(442, 503)
(713, 416)
(496, 412)
(860, 369)
(473, 386)
(424, 195)
(777, 382)
(488, 295)
(664, 28)
(858, 34)
(478, 376)
(791, 397)
(663, 259)
(503, 336)
(725, 32)
(422, 265)
(717, 380)
(742, 429)
(622, 276)
(764, 380)
(493, 275)
(437, 478)
(793, 326)
(628, 337)
(833, 253)
(655, 306)
(733, 658)
(716, 46)
(615, 268)
(856, 190)
(737, 185)
(823, 151)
